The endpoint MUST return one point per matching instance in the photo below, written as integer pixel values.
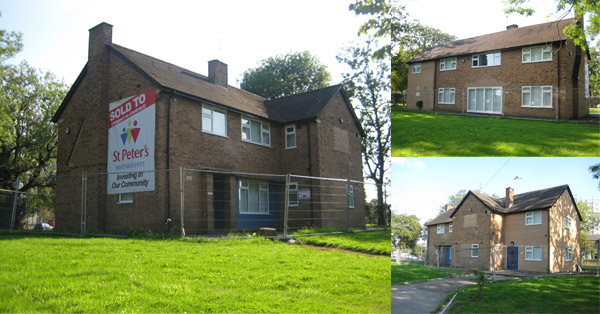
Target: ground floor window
(484, 99)
(446, 96)
(254, 197)
(568, 254)
(350, 189)
(533, 253)
(293, 194)
(474, 250)
(537, 96)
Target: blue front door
(512, 260)
(448, 256)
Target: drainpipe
(558, 86)
(434, 91)
(310, 173)
(169, 162)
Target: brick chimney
(449, 207)
(510, 197)
(100, 35)
(512, 26)
(217, 72)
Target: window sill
(525, 62)
(533, 107)
(216, 134)
(447, 70)
(485, 112)
(446, 103)
(257, 214)
(485, 66)
(259, 144)
(126, 202)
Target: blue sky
(421, 185)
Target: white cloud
(420, 164)
(410, 162)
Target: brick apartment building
(533, 72)
(534, 231)
(203, 123)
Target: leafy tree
(580, 7)
(406, 229)
(594, 68)
(586, 226)
(368, 84)
(595, 170)
(286, 75)
(453, 200)
(371, 211)
(28, 100)
(388, 20)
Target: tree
(594, 68)
(589, 221)
(368, 84)
(595, 170)
(286, 75)
(406, 229)
(371, 214)
(580, 7)
(453, 200)
(388, 20)
(28, 100)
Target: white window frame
(211, 115)
(350, 191)
(262, 187)
(532, 215)
(441, 228)
(293, 195)
(568, 222)
(527, 90)
(530, 253)
(568, 254)
(264, 129)
(290, 133)
(495, 90)
(527, 51)
(449, 227)
(475, 250)
(127, 200)
(444, 66)
(442, 93)
(416, 68)
(496, 56)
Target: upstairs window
(537, 96)
(125, 198)
(214, 121)
(568, 222)
(486, 59)
(533, 218)
(256, 132)
(440, 228)
(416, 68)
(448, 64)
(536, 54)
(450, 227)
(290, 136)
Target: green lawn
(431, 134)
(102, 275)
(414, 272)
(574, 294)
(377, 242)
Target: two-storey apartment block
(533, 71)
(234, 138)
(534, 231)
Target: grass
(376, 242)
(416, 271)
(431, 134)
(56, 275)
(574, 294)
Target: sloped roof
(308, 105)
(442, 218)
(511, 38)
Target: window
(350, 190)
(567, 222)
(290, 136)
(537, 96)
(416, 68)
(254, 197)
(533, 253)
(536, 54)
(214, 121)
(448, 64)
(293, 194)
(474, 250)
(484, 99)
(568, 254)
(533, 218)
(486, 59)
(450, 227)
(256, 132)
(440, 228)
(125, 198)
(446, 96)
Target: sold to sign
(131, 128)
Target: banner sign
(131, 144)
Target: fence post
(181, 196)
(286, 205)
(348, 205)
(83, 202)
(14, 208)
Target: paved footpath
(424, 297)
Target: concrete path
(424, 297)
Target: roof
(167, 76)
(511, 38)
(534, 200)
(442, 218)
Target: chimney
(512, 26)
(510, 197)
(100, 35)
(217, 72)
(449, 207)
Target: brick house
(203, 123)
(534, 231)
(533, 72)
